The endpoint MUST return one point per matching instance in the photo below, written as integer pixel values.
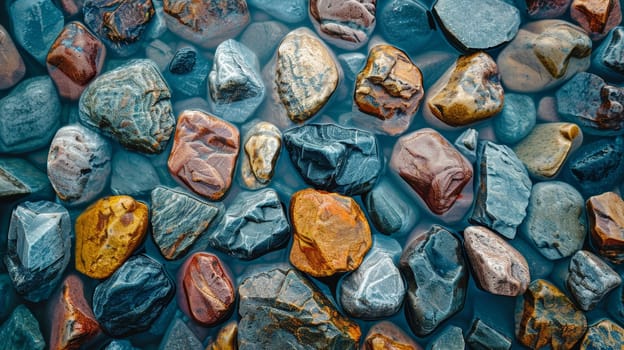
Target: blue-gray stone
(387, 210)
(29, 115)
(502, 187)
(289, 11)
(516, 120)
(263, 37)
(608, 58)
(126, 166)
(603, 335)
(407, 24)
(254, 224)
(451, 338)
(21, 331)
(539, 266)
(39, 248)
(35, 24)
(467, 143)
(187, 73)
(180, 337)
(352, 63)
(133, 297)
(19, 178)
(615, 305)
(484, 337)
(8, 297)
(333, 158)
(120, 345)
(590, 279)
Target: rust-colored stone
(204, 153)
(606, 222)
(386, 335)
(597, 17)
(546, 8)
(331, 233)
(107, 233)
(12, 68)
(226, 338)
(344, 23)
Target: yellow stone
(226, 338)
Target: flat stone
(19, 178)
(21, 331)
(120, 345)
(387, 210)
(131, 104)
(450, 338)
(432, 167)
(437, 278)
(178, 220)
(604, 334)
(609, 57)
(388, 336)
(12, 68)
(289, 11)
(471, 25)
(406, 23)
(180, 337)
(483, 337)
(590, 279)
(516, 120)
(555, 223)
(467, 143)
(133, 297)
(263, 37)
(187, 73)
(107, 233)
(346, 24)
(126, 166)
(303, 317)
(206, 23)
(389, 88)
(545, 317)
(253, 225)
(597, 17)
(539, 9)
(38, 248)
(31, 114)
(334, 158)
(504, 188)
(204, 153)
(330, 233)
(8, 297)
(262, 145)
(226, 339)
(560, 50)
(35, 24)
(497, 267)
(606, 223)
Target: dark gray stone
(516, 120)
(502, 187)
(133, 297)
(352, 63)
(387, 210)
(180, 337)
(289, 11)
(19, 178)
(263, 37)
(21, 331)
(120, 345)
(126, 166)
(188, 73)
(603, 335)
(334, 158)
(483, 337)
(467, 144)
(609, 57)
(8, 297)
(590, 279)
(451, 338)
(183, 61)
(35, 24)
(408, 24)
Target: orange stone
(386, 335)
(606, 222)
(107, 233)
(226, 338)
(597, 17)
(331, 233)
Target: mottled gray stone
(289, 11)
(8, 297)
(352, 63)
(516, 120)
(406, 23)
(180, 337)
(609, 57)
(503, 188)
(590, 279)
(263, 37)
(120, 345)
(262, 145)
(484, 337)
(187, 73)
(19, 178)
(451, 338)
(35, 24)
(387, 210)
(467, 143)
(29, 115)
(126, 166)
(21, 331)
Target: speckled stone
(19, 179)
(590, 279)
(12, 68)
(289, 11)
(387, 210)
(226, 339)
(346, 24)
(467, 143)
(516, 120)
(262, 145)
(539, 9)
(609, 57)
(180, 337)
(8, 297)
(603, 335)
(35, 24)
(606, 224)
(263, 37)
(406, 23)
(450, 338)
(597, 17)
(126, 166)
(187, 73)
(484, 337)
(385, 335)
(21, 331)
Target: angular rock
(597, 17)
(483, 337)
(8, 297)
(262, 145)
(21, 331)
(330, 233)
(467, 143)
(604, 334)
(38, 248)
(386, 335)
(180, 337)
(590, 279)
(386, 209)
(609, 57)
(539, 9)
(606, 223)
(450, 338)
(12, 68)
(346, 24)
(263, 37)
(126, 166)
(204, 153)
(107, 233)
(178, 220)
(516, 120)
(131, 104)
(281, 307)
(19, 178)
(35, 24)
(437, 277)
(187, 73)
(334, 158)
(406, 23)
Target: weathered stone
(604, 334)
(597, 17)
(386, 335)
(21, 331)
(120, 345)
(180, 337)
(467, 143)
(559, 50)
(609, 57)
(590, 279)
(483, 337)
(539, 9)
(390, 88)
(330, 233)
(606, 223)
(282, 308)
(437, 277)
(8, 297)
(346, 24)
(334, 158)
(546, 318)
(451, 338)
(187, 73)
(289, 11)
(133, 297)
(406, 23)
(204, 153)
(178, 220)
(30, 115)
(262, 145)
(387, 210)
(126, 166)
(516, 120)
(226, 339)
(39, 248)
(107, 233)
(132, 104)
(12, 68)
(35, 24)
(206, 23)
(469, 92)
(263, 37)
(19, 178)
(503, 189)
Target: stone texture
(180, 337)
(38, 248)
(597, 17)
(19, 178)
(467, 143)
(35, 24)
(330, 233)
(120, 345)
(107, 233)
(334, 158)
(386, 209)
(204, 154)
(386, 335)
(21, 331)
(8, 297)
(609, 57)
(133, 297)
(503, 189)
(539, 9)
(437, 276)
(187, 73)
(590, 279)
(131, 104)
(282, 308)
(226, 339)
(263, 37)
(483, 337)
(346, 24)
(560, 50)
(406, 23)
(546, 318)
(516, 120)
(178, 220)
(262, 145)
(604, 334)
(606, 223)
(126, 166)
(450, 338)
(289, 11)
(12, 68)
(79, 163)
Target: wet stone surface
(21, 331)
(450, 338)
(606, 223)
(387, 335)
(467, 143)
(8, 297)
(386, 209)
(605, 334)
(346, 24)
(595, 16)
(262, 147)
(590, 279)
(406, 23)
(483, 336)
(539, 9)
(516, 120)
(226, 339)
(289, 11)
(609, 58)
(12, 68)
(187, 73)
(125, 166)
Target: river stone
(282, 308)
(204, 153)
(253, 225)
(263, 37)
(21, 331)
(180, 337)
(79, 163)
(334, 158)
(555, 223)
(606, 223)
(131, 104)
(385, 335)
(467, 143)
(226, 339)
(387, 210)
(187, 73)
(450, 338)
(539, 9)
(432, 167)
(406, 23)
(262, 145)
(19, 178)
(12, 68)
(35, 24)
(609, 57)
(178, 220)
(8, 297)
(437, 277)
(590, 279)
(235, 82)
(546, 318)
(516, 120)
(483, 337)
(289, 11)
(29, 115)
(597, 17)
(120, 345)
(604, 334)
(133, 297)
(559, 50)
(503, 188)
(346, 24)
(126, 166)
(38, 248)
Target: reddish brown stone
(75, 59)
(226, 338)
(71, 7)
(597, 17)
(12, 67)
(433, 167)
(606, 222)
(386, 335)
(330, 231)
(206, 290)
(204, 153)
(546, 8)
(345, 23)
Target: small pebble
(262, 145)
(388, 211)
(387, 335)
(187, 73)
(467, 143)
(609, 56)
(540, 9)
(226, 339)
